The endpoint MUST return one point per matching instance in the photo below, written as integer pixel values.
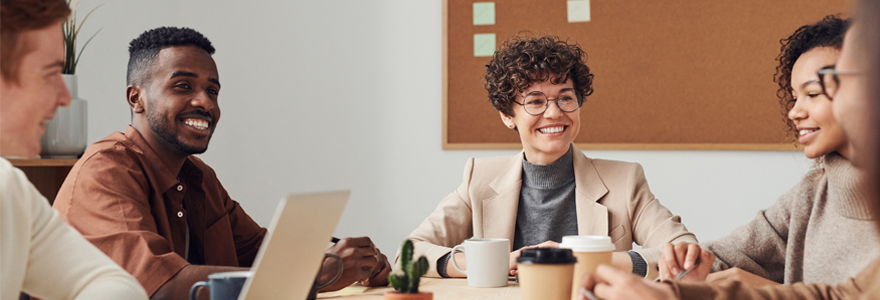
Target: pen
(588, 294)
(685, 272)
(334, 240)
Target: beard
(162, 127)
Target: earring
(510, 126)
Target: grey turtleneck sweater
(818, 232)
(546, 210)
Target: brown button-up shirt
(124, 200)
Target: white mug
(487, 261)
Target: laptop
(293, 249)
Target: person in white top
(39, 254)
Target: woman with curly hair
(807, 235)
(550, 189)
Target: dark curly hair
(826, 33)
(145, 48)
(524, 60)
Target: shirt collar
(165, 179)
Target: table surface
(443, 288)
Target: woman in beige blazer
(551, 188)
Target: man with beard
(157, 210)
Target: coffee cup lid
(552, 256)
(587, 243)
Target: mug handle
(338, 273)
(459, 248)
(193, 292)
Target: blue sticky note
(578, 11)
(484, 13)
(484, 44)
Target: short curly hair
(524, 60)
(828, 32)
(145, 48)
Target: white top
(42, 256)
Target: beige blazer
(612, 199)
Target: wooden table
(443, 288)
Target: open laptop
(294, 247)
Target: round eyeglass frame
(580, 100)
(834, 74)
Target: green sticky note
(484, 44)
(578, 11)
(484, 13)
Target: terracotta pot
(407, 296)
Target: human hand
(740, 275)
(515, 254)
(610, 283)
(358, 260)
(683, 256)
(380, 272)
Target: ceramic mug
(228, 285)
(223, 286)
(487, 261)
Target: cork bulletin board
(684, 74)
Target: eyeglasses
(828, 78)
(536, 103)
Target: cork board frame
(683, 75)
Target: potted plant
(65, 135)
(406, 280)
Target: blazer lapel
(592, 217)
(499, 212)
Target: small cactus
(408, 282)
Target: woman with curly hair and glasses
(550, 189)
(806, 236)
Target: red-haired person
(39, 254)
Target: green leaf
(84, 20)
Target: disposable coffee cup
(545, 273)
(590, 251)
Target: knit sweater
(862, 286)
(546, 203)
(43, 257)
(818, 232)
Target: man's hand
(740, 275)
(359, 258)
(610, 283)
(515, 254)
(683, 256)
(379, 274)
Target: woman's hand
(740, 275)
(610, 283)
(683, 256)
(515, 254)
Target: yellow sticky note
(484, 13)
(484, 44)
(578, 11)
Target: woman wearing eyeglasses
(820, 231)
(550, 189)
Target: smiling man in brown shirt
(153, 207)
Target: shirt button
(180, 214)
(180, 188)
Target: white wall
(330, 94)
